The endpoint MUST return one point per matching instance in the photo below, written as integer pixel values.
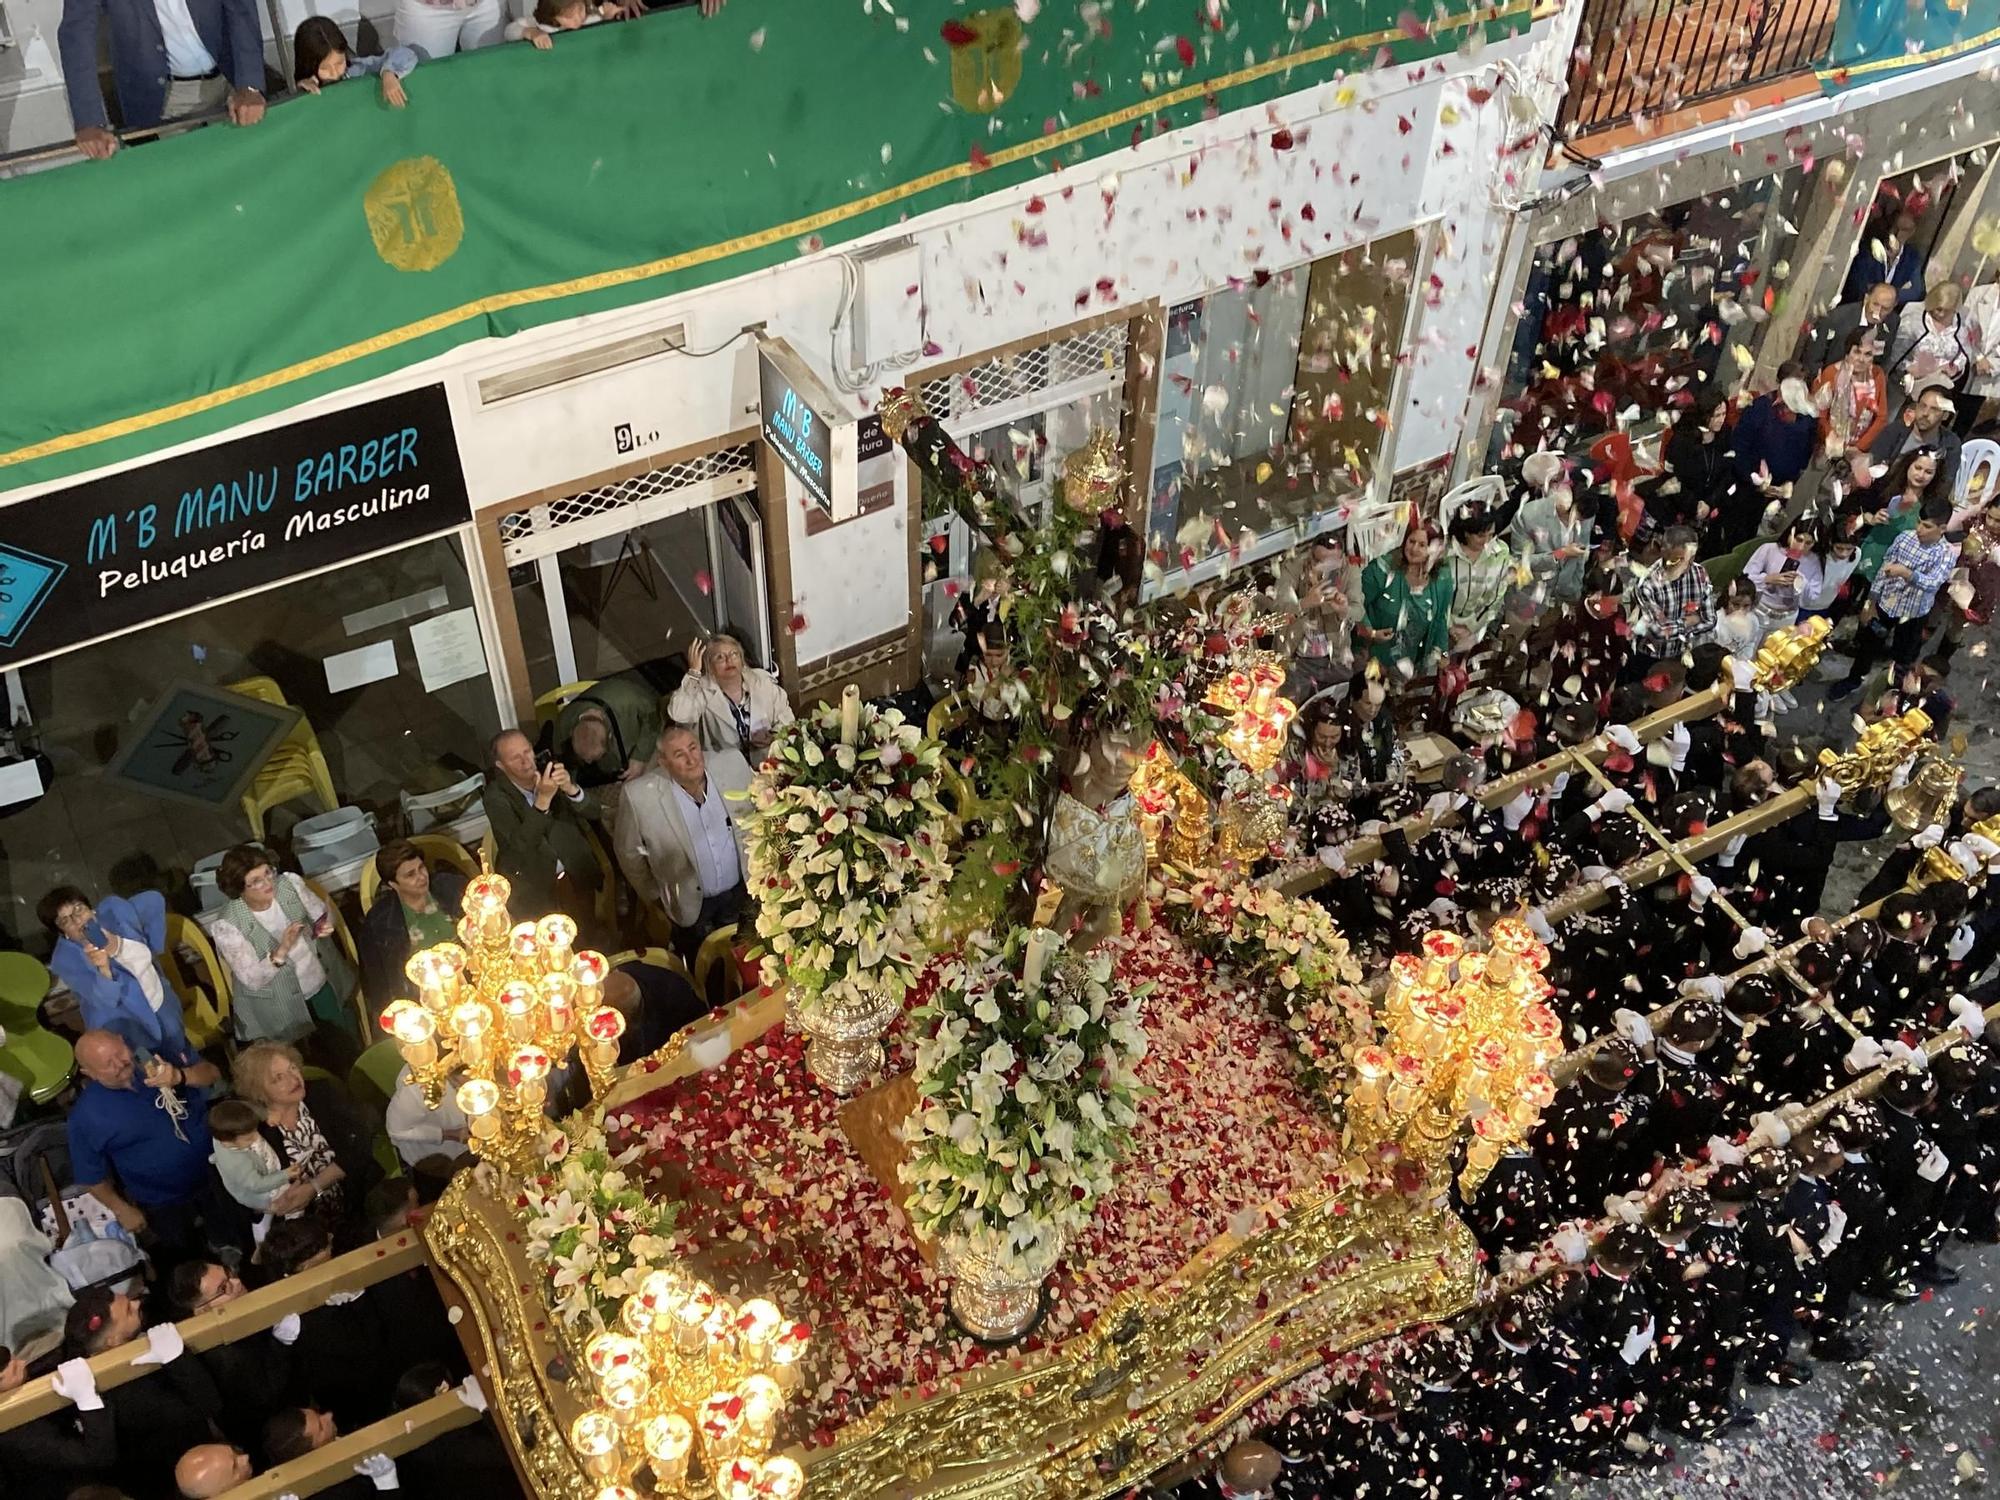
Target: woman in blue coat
(108, 955)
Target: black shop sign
(109, 556)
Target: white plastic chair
(1978, 460)
(327, 841)
(455, 809)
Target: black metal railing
(1646, 58)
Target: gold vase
(992, 1300)
(845, 1023)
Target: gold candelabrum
(496, 1013)
(1787, 656)
(1940, 867)
(1878, 750)
(1259, 720)
(689, 1389)
(1467, 1036)
(1173, 813)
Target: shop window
(1272, 408)
(1628, 316)
(381, 737)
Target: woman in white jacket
(731, 705)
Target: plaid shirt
(1902, 599)
(1674, 614)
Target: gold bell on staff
(1927, 797)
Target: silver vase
(845, 1026)
(992, 1301)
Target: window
(380, 738)
(1272, 405)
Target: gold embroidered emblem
(413, 214)
(986, 69)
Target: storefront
(182, 640)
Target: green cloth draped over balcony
(187, 285)
(1874, 38)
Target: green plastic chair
(24, 983)
(41, 1060)
(373, 1076)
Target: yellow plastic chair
(205, 1001)
(658, 958)
(297, 768)
(555, 700)
(436, 848)
(718, 948)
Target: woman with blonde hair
(1934, 338)
(731, 705)
(313, 1124)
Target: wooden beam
(1302, 876)
(395, 1435)
(749, 1018)
(247, 1315)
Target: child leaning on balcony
(566, 15)
(320, 55)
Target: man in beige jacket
(680, 839)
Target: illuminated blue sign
(808, 427)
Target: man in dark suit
(1924, 422)
(1876, 311)
(169, 58)
(540, 820)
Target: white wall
(1175, 217)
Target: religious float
(1051, 1145)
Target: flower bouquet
(847, 864)
(1027, 1100)
(1290, 946)
(590, 1225)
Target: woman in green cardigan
(1408, 604)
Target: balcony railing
(1639, 59)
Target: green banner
(190, 284)
(1875, 38)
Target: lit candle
(618, 1492)
(485, 900)
(757, 1324)
(434, 975)
(470, 1023)
(517, 1010)
(667, 1439)
(589, 969)
(721, 1426)
(609, 1355)
(478, 1098)
(593, 1437)
(603, 1028)
(625, 1397)
(525, 949)
(415, 1031)
(761, 1403)
(850, 715)
(559, 1003)
(720, 1331)
(737, 1479)
(1406, 1084)
(528, 1073)
(557, 935)
(787, 1349)
(1041, 943)
(651, 1309)
(782, 1479)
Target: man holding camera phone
(540, 821)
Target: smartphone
(94, 930)
(544, 759)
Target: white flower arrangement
(590, 1225)
(1028, 1099)
(847, 850)
(1291, 946)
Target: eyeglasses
(73, 916)
(263, 882)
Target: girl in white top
(1785, 572)
(1737, 628)
(731, 705)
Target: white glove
(1679, 742)
(380, 1470)
(1622, 736)
(163, 1345)
(1442, 803)
(1724, 1152)
(1743, 674)
(1769, 1129)
(1334, 857)
(286, 1329)
(1836, 1228)
(471, 1392)
(1962, 939)
(1730, 850)
(1934, 1165)
(1928, 838)
(1865, 1056)
(1616, 800)
(1901, 775)
(1611, 880)
(1902, 1055)
(1560, 784)
(1754, 941)
(76, 1383)
(1983, 848)
(1829, 792)
(1514, 814)
(1572, 1244)
(1636, 1344)
(1700, 891)
(1539, 925)
(1708, 986)
(1967, 1016)
(1633, 1027)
